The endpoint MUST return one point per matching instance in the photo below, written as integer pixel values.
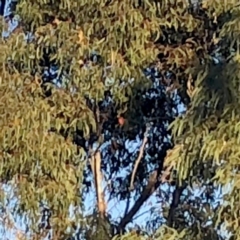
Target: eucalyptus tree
(81, 79)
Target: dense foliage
(80, 81)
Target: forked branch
(155, 179)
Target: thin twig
(141, 151)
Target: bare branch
(141, 151)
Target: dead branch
(141, 151)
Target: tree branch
(155, 179)
(175, 202)
(139, 158)
(96, 169)
(127, 205)
(152, 185)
